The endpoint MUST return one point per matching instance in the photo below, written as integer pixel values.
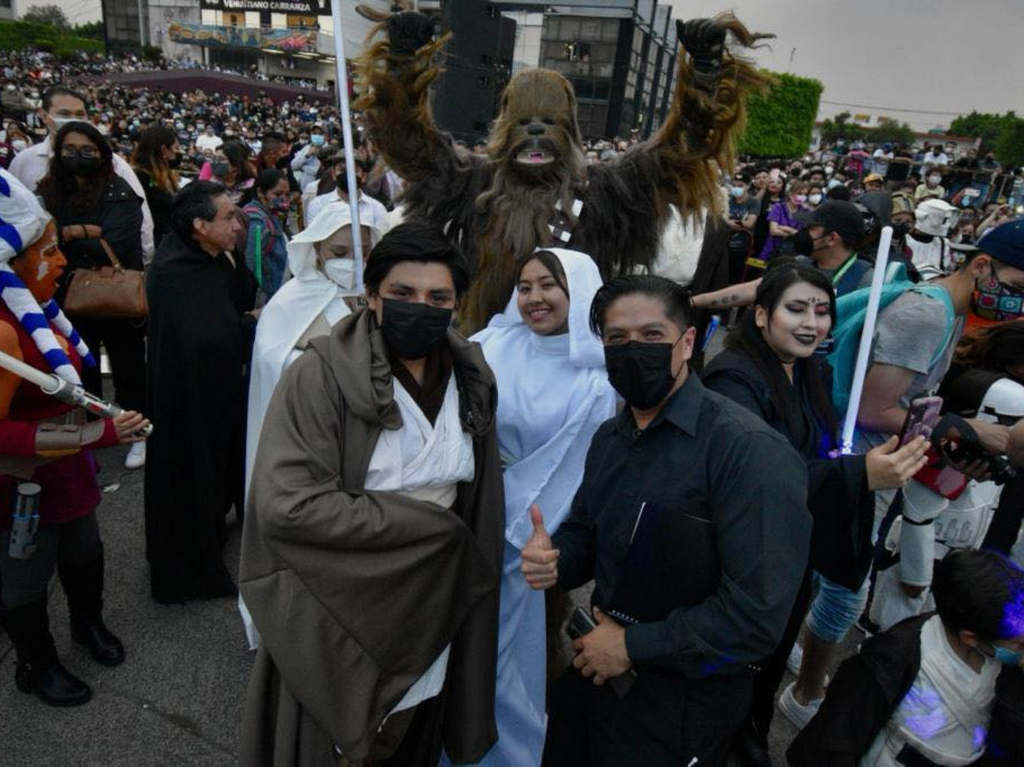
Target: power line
(889, 109)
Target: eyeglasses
(85, 153)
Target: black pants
(663, 721)
(75, 544)
(125, 341)
(768, 679)
(1002, 533)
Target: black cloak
(200, 339)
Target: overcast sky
(945, 56)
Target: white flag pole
(346, 131)
(866, 336)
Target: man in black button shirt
(692, 521)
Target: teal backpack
(850, 313)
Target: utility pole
(142, 29)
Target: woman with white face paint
(321, 292)
(770, 367)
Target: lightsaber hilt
(65, 391)
(76, 396)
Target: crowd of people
(587, 433)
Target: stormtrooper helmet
(935, 217)
(1003, 403)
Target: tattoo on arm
(725, 301)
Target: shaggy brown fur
(499, 209)
(698, 138)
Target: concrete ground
(176, 700)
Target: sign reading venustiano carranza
(312, 7)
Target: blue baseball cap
(1005, 243)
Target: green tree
(93, 30)
(890, 130)
(15, 35)
(1009, 148)
(839, 127)
(47, 14)
(779, 123)
(982, 125)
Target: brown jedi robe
(356, 593)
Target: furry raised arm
(394, 77)
(708, 114)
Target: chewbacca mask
(536, 131)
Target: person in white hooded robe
(321, 292)
(553, 394)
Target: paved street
(176, 700)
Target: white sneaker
(136, 457)
(796, 657)
(797, 714)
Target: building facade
(619, 55)
(125, 23)
(290, 39)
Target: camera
(998, 465)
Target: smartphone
(582, 623)
(922, 418)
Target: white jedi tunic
(424, 462)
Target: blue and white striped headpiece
(22, 222)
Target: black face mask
(411, 329)
(640, 372)
(174, 162)
(900, 229)
(341, 181)
(81, 166)
(341, 176)
(803, 243)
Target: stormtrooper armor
(931, 526)
(928, 243)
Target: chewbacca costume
(533, 187)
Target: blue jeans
(835, 608)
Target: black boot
(39, 670)
(83, 586)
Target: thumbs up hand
(540, 558)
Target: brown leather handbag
(107, 291)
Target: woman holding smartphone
(769, 366)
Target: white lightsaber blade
(346, 132)
(868, 332)
(68, 393)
